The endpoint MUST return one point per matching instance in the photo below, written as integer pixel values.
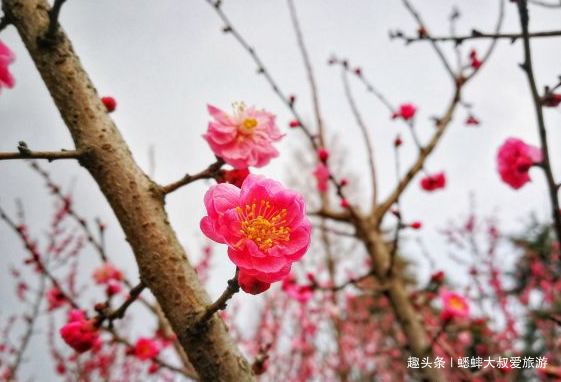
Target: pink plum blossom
(514, 160)
(264, 225)
(146, 348)
(6, 58)
(433, 182)
(322, 177)
(80, 333)
(453, 306)
(245, 138)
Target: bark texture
(137, 202)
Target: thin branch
(475, 35)
(211, 172)
(4, 23)
(25, 153)
(54, 14)
(31, 321)
(352, 281)
(119, 313)
(365, 136)
(546, 4)
(187, 373)
(309, 70)
(335, 231)
(546, 164)
(261, 69)
(424, 153)
(36, 259)
(55, 189)
(220, 304)
(437, 49)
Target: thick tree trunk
(136, 201)
(417, 338)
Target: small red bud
(344, 182)
(323, 155)
(398, 141)
(110, 103)
(294, 123)
(345, 203)
(416, 225)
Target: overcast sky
(164, 61)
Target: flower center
(456, 303)
(248, 125)
(263, 224)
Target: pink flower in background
(251, 285)
(245, 138)
(80, 333)
(433, 182)
(263, 224)
(322, 177)
(406, 112)
(514, 160)
(6, 58)
(302, 293)
(55, 299)
(106, 273)
(146, 348)
(453, 306)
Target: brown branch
(437, 49)
(365, 136)
(135, 199)
(309, 70)
(211, 172)
(119, 313)
(261, 69)
(424, 153)
(25, 153)
(31, 320)
(538, 106)
(476, 35)
(54, 14)
(220, 304)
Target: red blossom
(80, 333)
(235, 176)
(294, 123)
(146, 349)
(110, 103)
(405, 111)
(433, 182)
(251, 285)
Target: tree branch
(475, 35)
(538, 106)
(220, 304)
(25, 153)
(135, 199)
(211, 172)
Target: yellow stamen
(263, 224)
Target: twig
(4, 23)
(437, 49)
(220, 304)
(351, 281)
(475, 35)
(309, 70)
(441, 126)
(545, 4)
(55, 189)
(261, 69)
(25, 153)
(365, 136)
(119, 313)
(54, 14)
(31, 248)
(31, 320)
(211, 172)
(546, 164)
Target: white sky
(164, 61)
